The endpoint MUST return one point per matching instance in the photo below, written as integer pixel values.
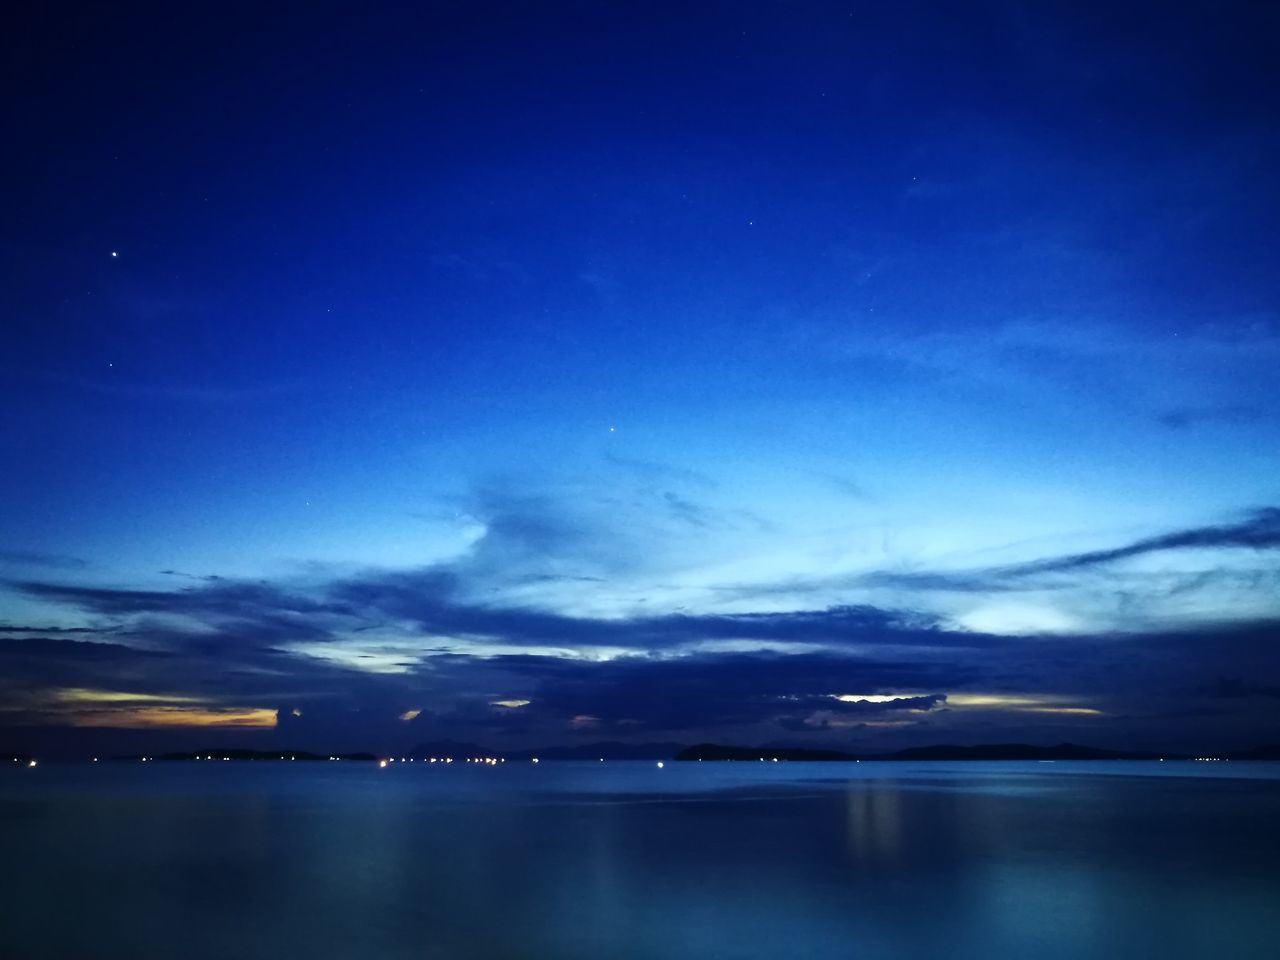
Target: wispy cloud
(39, 558)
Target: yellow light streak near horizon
(1027, 702)
(174, 716)
(88, 695)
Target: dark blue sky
(539, 373)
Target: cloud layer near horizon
(395, 656)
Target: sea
(614, 860)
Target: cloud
(361, 651)
(686, 510)
(688, 695)
(37, 558)
(657, 472)
(22, 628)
(1259, 531)
(223, 599)
(1234, 688)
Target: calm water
(623, 860)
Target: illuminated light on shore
(382, 764)
(660, 764)
(534, 760)
(30, 763)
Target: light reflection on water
(625, 860)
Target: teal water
(626, 860)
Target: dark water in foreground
(623, 860)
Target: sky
(837, 374)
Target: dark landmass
(993, 751)
(600, 750)
(613, 750)
(457, 749)
(242, 754)
(1023, 751)
(606, 750)
(712, 751)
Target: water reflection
(874, 824)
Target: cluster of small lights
(491, 761)
(1211, 759)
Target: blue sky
(371, 362)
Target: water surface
(626, 860)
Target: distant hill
(1021, 751)
(992, 751)
(458, 749)
(713, 751)
(605, 750)
(240, 753)
(614, 750)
